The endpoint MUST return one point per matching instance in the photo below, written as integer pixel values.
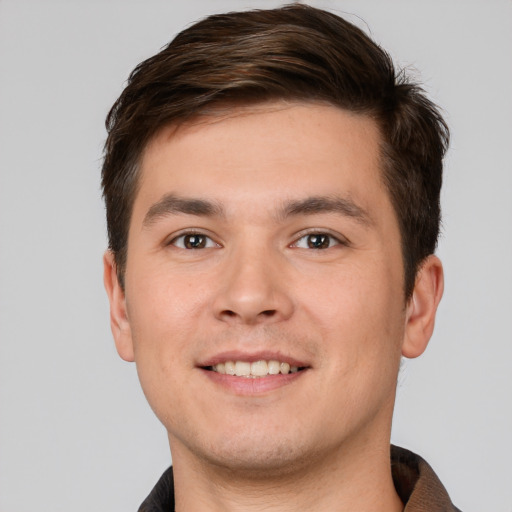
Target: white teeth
(273, 367)
(256, 369)
(242, 369)
(259, 368)
(229, 367)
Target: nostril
(268, 312)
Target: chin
(255, 453)
(261, 462)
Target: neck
(355, 478)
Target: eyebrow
(171, 204)
(326, 204)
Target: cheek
(164, 315)
(358, 293)
(162, 324)
(359, 315)
(162, 300)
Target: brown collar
(417, 484)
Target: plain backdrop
(75, 431)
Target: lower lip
(252, 386)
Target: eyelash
(318, 233)
(208, 243)
(208, 240)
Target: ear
(422, 307)
(119, 322)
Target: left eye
(316, 241)
(193, 241)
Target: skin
(319, 440)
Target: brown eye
(318, 241)
(193, 241)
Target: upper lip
(251, 357)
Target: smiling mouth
(254, 370)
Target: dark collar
(415, 482)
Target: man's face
(266, 235)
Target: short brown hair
(296, 53)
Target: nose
(253, 290)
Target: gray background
(75, 431)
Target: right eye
(193, 241)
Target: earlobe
(119, 322)
(422, 307)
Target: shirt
(416, 484)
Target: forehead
(277, 139)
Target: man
(272, 191)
